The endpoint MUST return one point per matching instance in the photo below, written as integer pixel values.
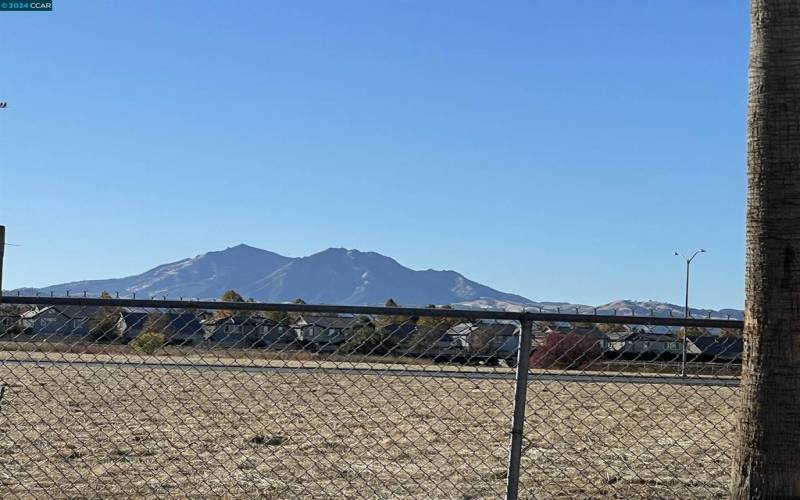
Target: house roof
(240, 319)
(134, 319)
(173, 322)
(649, 337)
(717, 346)
(400, 329)
(613, 336)
(78, 312)
(33, 313)
(183, 322)
(337, 322)
(489, 329)
(652, 329)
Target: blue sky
(559, 150)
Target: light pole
(686, 307)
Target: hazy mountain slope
(620, 307)
(205, 276)
(345, 276)
(338, 276)
(333, 276)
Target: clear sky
(559, 150)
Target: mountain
(655, 308)
(338, 276)
(333, 276)
(205, 276)
(620, 307)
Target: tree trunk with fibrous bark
(767, 455)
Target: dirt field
(132, 432)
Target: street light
(686, 306)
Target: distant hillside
(620, 307)
(333, 276)
(337, 276)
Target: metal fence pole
(2, 251)
(518, 419)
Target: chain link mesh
(135, 399)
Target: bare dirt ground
(88, 432)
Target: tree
(730, 332)
(566, 350)
(229, 296)
(482, 339)
(103, 323)
(156, 322)
(148, 342)
(366, 339)
(283, 317)
(542, 327)
(611, 327)
(440, 323)
(393, 319)
(430, 329)
(692, 331)
(767, 455)
(12, 311)
(232, 296)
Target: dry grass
(135, 432)
(204, 351)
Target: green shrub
(148, 342)
(368, 340)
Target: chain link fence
(142, 398)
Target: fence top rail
(473, 314)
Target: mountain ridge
(334, 275)
(338, 276)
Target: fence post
(2, 252)
(518, 419)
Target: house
(616, 340)
(639, 344)
(401, 333)
(130, 324)
(561, 326)
(495, 340)
(715, 348)
(9, 322)
(59, 321)
(439, 343)
(323, 333)
(602, 339)
(247, 331)
(179, 328)
(652, 329)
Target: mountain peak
(240, 250)
(243, 247)
(332, 276)
(341, 252)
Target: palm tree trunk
(767, 454)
